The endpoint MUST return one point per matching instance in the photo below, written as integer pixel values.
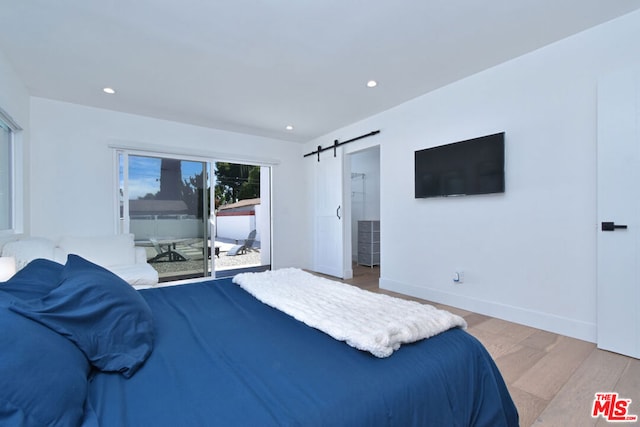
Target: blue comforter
(222, 358)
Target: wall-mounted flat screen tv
(474, 166)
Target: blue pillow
(101, 313)
(43, 375)
(35, 280)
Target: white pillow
(137, 275)
(102, 250)
(27, 249)
(7, 267)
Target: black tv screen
(474, 166)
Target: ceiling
(255, 66)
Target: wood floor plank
(474, 319)
(551, 372)
(510, 329)
(628, 386)
(497, 345)
(455, 310)
(529, 406)
(541, 340)
(515, 364)
(573, 404)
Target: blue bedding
(222, 358)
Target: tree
(250, 189)
(192, 194)
(236, 182)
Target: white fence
(235, 227)
(238, 227)
(146, 228)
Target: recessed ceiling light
(289, 127)
(372, 83)
(109, 90)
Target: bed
(87, 349)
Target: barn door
(328, 245)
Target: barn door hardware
(337, 144)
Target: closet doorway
(365, 208)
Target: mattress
(222, 358)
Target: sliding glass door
(242, 222)
(165, 203)
(196, 218)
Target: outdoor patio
(193, 251)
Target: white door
(328, 247)
(618, 265)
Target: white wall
(73, 170)
(14, 98)
(529, 254)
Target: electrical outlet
(458, 277)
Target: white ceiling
(255, 66)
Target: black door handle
(611, 226)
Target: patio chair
(246, 246)
(166, 250)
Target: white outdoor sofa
(116, 253)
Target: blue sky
(144, 174)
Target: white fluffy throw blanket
(365, 320)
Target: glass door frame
(123, 203)
(123, 220)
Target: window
(8, 182)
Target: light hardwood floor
(552, 378)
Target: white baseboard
(347, 273)
(535, 319)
